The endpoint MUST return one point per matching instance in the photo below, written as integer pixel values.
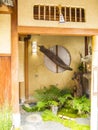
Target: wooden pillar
(14, 67)
(94, 86)
(26, 40)
(26, 67)
(14, 59)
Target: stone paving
(33, 121)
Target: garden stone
(34, 118)
(85, 121)
(27, 127)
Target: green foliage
(41, 105)
(69, 112)
(49, 116)
(54, 96)
(54, 103)
(65, 99)
(5, 117)
(47, 93)
(82, 105)
(28, 108)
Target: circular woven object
(60, 52)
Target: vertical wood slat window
(73, 14)
(67, 14)
(47, 13)
(57, 13)
(78, 14)
(41, 12)
(51, 13)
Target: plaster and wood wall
(5, 59)
(25, 19)
(25, 13)
(40, 75)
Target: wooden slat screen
(51, 13)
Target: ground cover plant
(5, 117)
(49, 116)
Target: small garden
(60, 105)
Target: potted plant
(54, 106)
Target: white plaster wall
(25, 13)
(39, 75)
(5, 33)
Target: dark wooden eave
(57, 31)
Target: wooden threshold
(57, 31)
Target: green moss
(49, 116)
(71, 113)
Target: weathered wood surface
(5, 79)
(78, 88)
(57, 60)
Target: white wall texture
(5, 34)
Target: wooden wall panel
(5, 79)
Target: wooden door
(5, 79)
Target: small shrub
(82, 105)
(5, 117)
(47, 93)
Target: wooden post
(14, 67)
(94, 85)
(26, 39)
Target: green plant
(69, 112)
(41, 105)
(52, 103)
(28, 108)
(65, 99)
(82, 105)
(47, 93)
(5, 117)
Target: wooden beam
(5, 54)
(57, 31)
(5, 10)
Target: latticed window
(52, 13)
